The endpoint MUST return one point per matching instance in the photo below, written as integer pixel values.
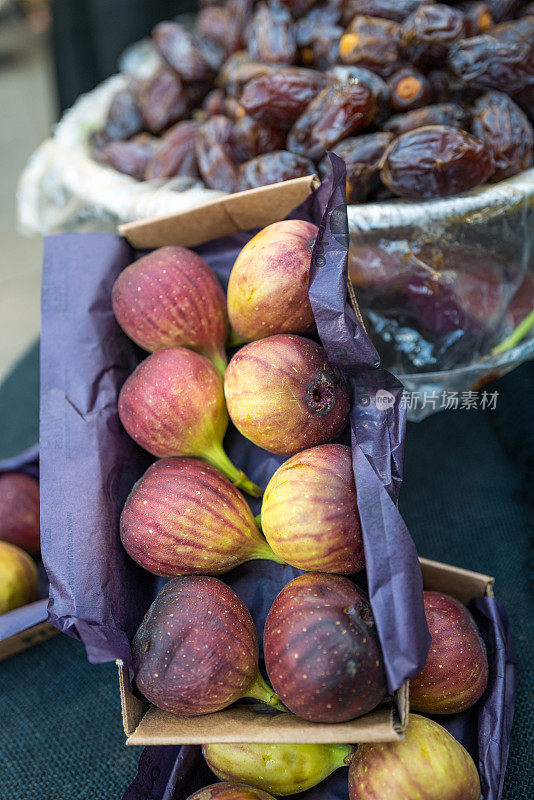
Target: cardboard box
(144, 724)
(27, 638)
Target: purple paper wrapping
(20, 619)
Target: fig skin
(428, 765)
(183, 517)
(456, 671)
(321, 649)
(18, 577)
(230, 791)
(170, 298)
(19, 511)
(309, 513)
(173, 405)
(196, 650)
(279, 768)
(284, 395)
(268, 286)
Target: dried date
(450, 114)
(374, 82)
(273, 168)
(298, 7)
(502, 9)
(175, 153)
(324, 49)
(251, 138)
(409, 89)
(337, 112)
(435, 161)
(516, 30)
(372, 43)
(271, 35)
(214, 103)
(281, 97)
(427, 35)
(309, 27)
(193, 59)
(130, 157)
(483, 62)
(362, 156)
(396, 10)
(478, 16)
(505, 131)
(216, 158)
(239, 70)
(124, 118)
(163, 101)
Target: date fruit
(449, 114)
(124, 118)
(409, 89)
(196, 650)
(175, 153)
(372, 43)
(239, 70)
(477, 15)
(456, 671)
(230, 791)
(321, 649)
(268, 286)
(516, 30)
(217, 160)
(318, 527)
(183, 517)
(505, 131)
(19, 511)
(275, 167)
(163, 101)
(435, 161)
(130, 157)
(362, 156)
(281, 97)
(271, 35)
(427, 35)
(396, 10)
(337, 112)
(171, 298)
(173, 405)
(483, 62)
(376, 84)
(184, 53)
(284, 395)
(250, 138)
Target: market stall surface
(466, 500)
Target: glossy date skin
(274, 167)
(362, 155)
(271, 36)
(396, 10)
(250, 138)
(483, 62)
(175, 153)
(192, 59)
(130, 157)
(280, 98)
(124, 117)
(163, 101)
(438, 114)
(216, 158)
(336, 112)
(505, 131)
(372, 43)
(409, 89)
(427, 35)
(435, 161)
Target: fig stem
(257, 520)
(218, 458)
(259, 689)
(220, 362)
(234, 339)
(517, 334)
(264, 550)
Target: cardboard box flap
(132, 708)
(460, 583)
(223, 216)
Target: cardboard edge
(477, 583)
(132, 709)
(233, 213)
(25, 639)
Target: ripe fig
(456, 671)
(284, 395)
(19, 511)
(18, 577)
(230, 791)
(173, 405)
(280, 768)
(196, 650)
(171, 297)
(309, 514)
(321, 649)
(183, 517)
(268, 286)
(428, 763)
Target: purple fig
(321, 649)
(196, 650)
(309, 513)
(428, 763)
(284, 395)
(173, 405)
(19, 511)
(268, 286)
(169, 298)
(230, 791)
(183, 517)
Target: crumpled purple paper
(20, 619)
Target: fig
(456, 671)
(284, 395)
(173, 405)
(279, 768)
(18, 577)
(183, 517)
(268, 286)
(428, 763)
(171, 297)
(309, 513)
(230, 791)
(19, 511)
(196, 650)
(321, 649)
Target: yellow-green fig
(280, 769)
(428, 765)
(18, 577)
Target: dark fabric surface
(465, 499)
